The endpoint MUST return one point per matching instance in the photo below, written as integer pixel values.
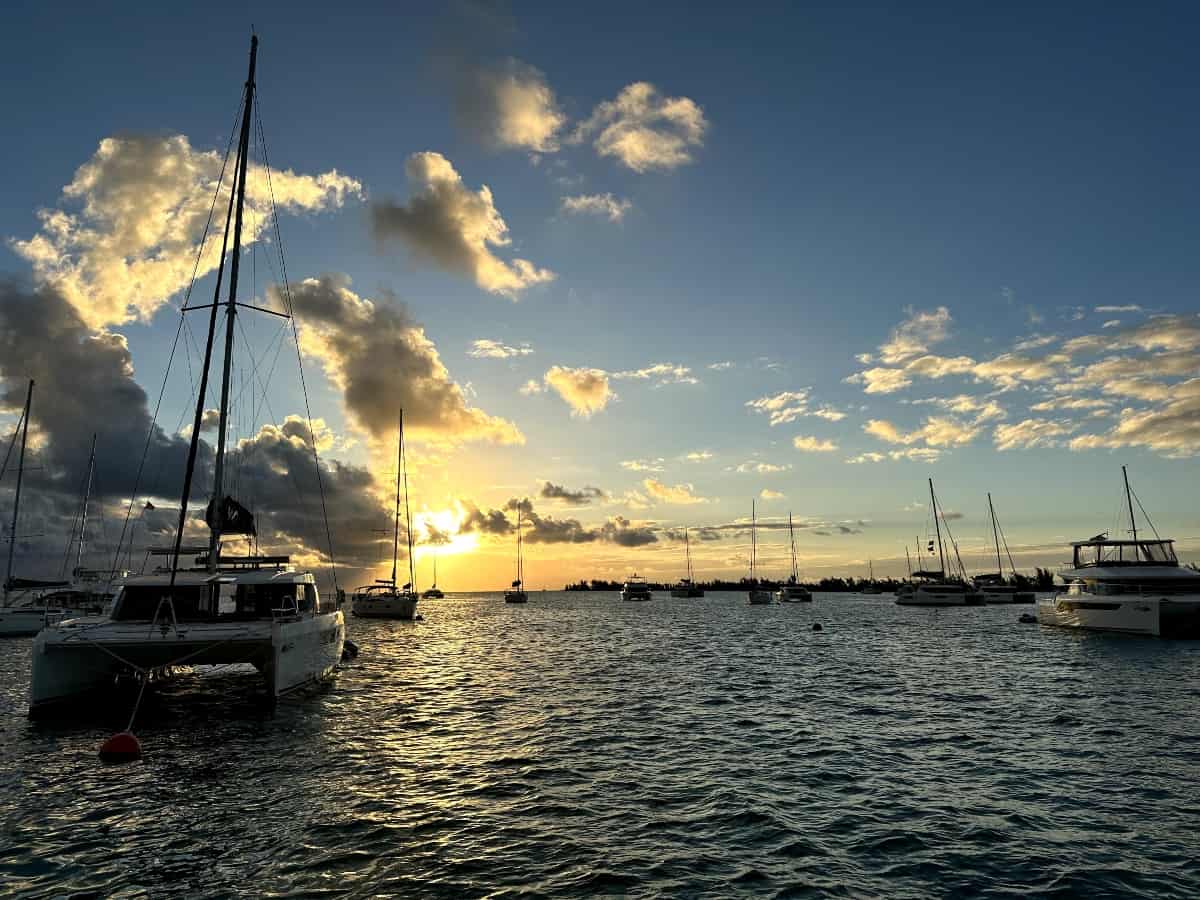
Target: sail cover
(230, 517)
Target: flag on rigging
(230, 518)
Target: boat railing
(1121, 588)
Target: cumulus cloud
(539, 529)
(813, 445)
(509, 106)
(381, 360)
(643, 465)
(677, 494)
(937, 431)
(1031, 433)
(644, 130)
(1172, 428)
(768, 494)
(125, 237)
(456, 228)
(787, 406)
(983, 408)
(582, 497)
(915, 335)
(586, 391)
(485, 348)
(605, 205)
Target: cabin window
(141, 602)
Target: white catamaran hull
(28, 621)
(78, 657)
(1153, 616)
(931, 596)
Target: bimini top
(1103, 552)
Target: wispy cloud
(485, 348)
(813, 445)
(605, 205)
(675, 494)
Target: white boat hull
(1169, 616)
(636, 595)
(25, 622)
(932, 596)
(81, 656)
(387, 607)
(793, 595)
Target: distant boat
(29, 603)
(872, 587)
(635, 588)
(756, 595)
(793, 591)
(384, 599)
(687, 587)
(516, 593)
(993, 586)
(933, 588)
(1133, 586)
(433, 593)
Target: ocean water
(579, 746)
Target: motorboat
(635, 588)
(219, 609)
(1131, 586)
(993, 585)
(386, 599)
(687, 587)
(792, 591)
(756, 594)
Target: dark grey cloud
(581, 497)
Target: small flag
(148, 505)
(931, 546)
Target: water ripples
(581, 746)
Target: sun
(442, 522)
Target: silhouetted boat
(756, 595)
(687, 587)
(793, 591)
(385, 599)
(433, 592)
(635, 588)
(993, 586)
(516, 593)
(871, 586)
(933, 588)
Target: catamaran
(871, 587)
(1134, 586)
(687, 587)
(516, 592)
(793, 591)
(385, 599)
(993, 586)
(223, 609)
(635, 588)
(756, 595)
(29, 603)
(433, 592)
(933, 588)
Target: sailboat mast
(520, 574)
(908, 561)
(412, 576)
(938, 526)
(753, 539)
(792, 538)
(214, 544)
(12, 538)
(995, 535)
(87, 496)
(687, 550)
(1129, 500)
(396, 517)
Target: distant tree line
(1042, 581)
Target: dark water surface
(579, 745)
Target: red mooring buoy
(122, 746)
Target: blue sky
(858, 168)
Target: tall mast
(412, 575)
(908, 561)
(753, 539)
(995, 535)
(687, 549)
(792, 538)
(396, 522)
(87, 496)
(12, 538)
(214, 544)
(520, 574)
(938, 526)
(1129, 500)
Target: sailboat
(30, 603)
(687, 586)
(756, 595)
(223, 609)
(1133, 585)
(933, 588)
(793, 591)
(433, 592)
(385, 599)
(993, 586)
(516, 593)
(871, 587)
